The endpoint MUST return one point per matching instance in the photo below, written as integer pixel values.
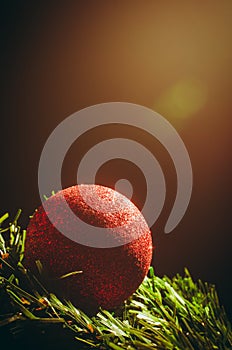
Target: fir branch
(163, 313)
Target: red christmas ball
(109, 275)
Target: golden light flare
(185, 98)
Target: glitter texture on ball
(109, 275)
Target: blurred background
(174, 57)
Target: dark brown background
(172, 56)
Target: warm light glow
(183, 99)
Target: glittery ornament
(109, 275)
